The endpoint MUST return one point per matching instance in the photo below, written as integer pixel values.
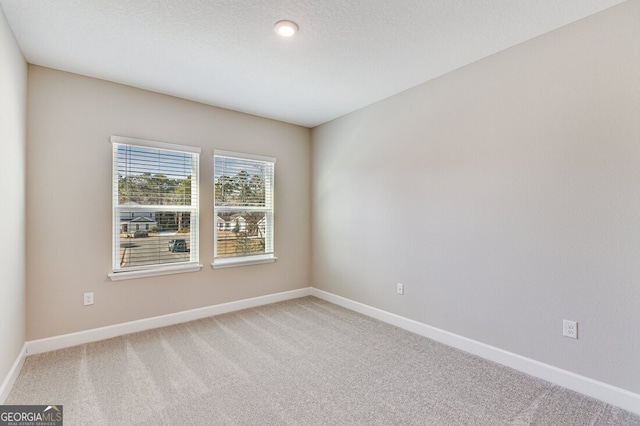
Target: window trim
(154, 144)
(154, 272)
(232, 262)
(154, 269)
(249, 259)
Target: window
(155, 185)
(243, 209)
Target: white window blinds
(243, 206)
(155, 204)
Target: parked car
(177, 245)
(140, 234)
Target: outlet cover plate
(570, 329)
(88, 299)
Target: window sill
(242, 261)
(163, 270)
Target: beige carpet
(301, 362)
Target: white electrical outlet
(570, 329)
(400, 288)
(88, 299)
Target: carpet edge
(96, 334)
(602, 391)
(13, 374)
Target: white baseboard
(610, 394)
(12, 375)
(96, 334)
(604, 392)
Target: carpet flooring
(300, 362)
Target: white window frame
(269, 209)
(193, 264)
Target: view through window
(155, 202)
(243, 209)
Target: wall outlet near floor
(400, 288)
(570, 329)
(88, 299)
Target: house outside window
(243, 209)
(155, 193)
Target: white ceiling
(347, 54)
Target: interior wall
(13, 119)
(69, 212)
(504, 195)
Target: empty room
(260, 212)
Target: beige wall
(504, 195)
(13, 119)
(70, 119)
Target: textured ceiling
(347, 54)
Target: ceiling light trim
(286, 28)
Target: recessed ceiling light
(286, 28)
